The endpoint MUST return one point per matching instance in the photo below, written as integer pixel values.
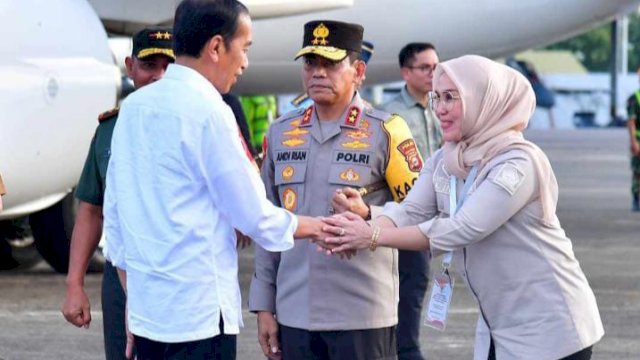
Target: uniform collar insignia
(306, 117)
(352, 117)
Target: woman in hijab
(499, 225)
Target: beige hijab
(497, 103)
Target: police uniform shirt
(535, 301)
(301, 171)
(92, 182)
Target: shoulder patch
(509, 177)
(377, 114)
(108, 114)
(290, 115)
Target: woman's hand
(351, 233)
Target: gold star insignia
(167, 36)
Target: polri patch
(409, 149)
(509, 177)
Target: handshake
(346, 231)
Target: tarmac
(592, 167)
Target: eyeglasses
(426, 69)
(447, 98)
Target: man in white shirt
(178, 185)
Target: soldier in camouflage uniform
(633, 109)
(151, 55)
(328, 308)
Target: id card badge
(439, 301)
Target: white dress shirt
(178, 184)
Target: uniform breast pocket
(289, 178)
(351, 175)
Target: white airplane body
(57, 71)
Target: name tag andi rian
(293, 155)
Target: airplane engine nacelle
(57, 74)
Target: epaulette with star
(108, 114)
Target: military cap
(153, 41)
(331, 39)
(367, 51)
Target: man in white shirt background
(179, 184)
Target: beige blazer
(535, 301)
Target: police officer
(328, 308)
(150, 57)
(633, 124)
(303, 100)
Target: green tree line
(593, 48)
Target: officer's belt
(371, 188)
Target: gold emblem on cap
(321, 32)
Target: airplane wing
(128, 16)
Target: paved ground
(591, 166)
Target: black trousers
(369, 344)
(113, 304)
(413, 270)
(221, 347)
(584, 354)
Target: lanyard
(455, 205)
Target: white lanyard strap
(455, 205)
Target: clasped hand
(350, 233)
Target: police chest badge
(356, 144)
(289, 199)
(349, 175)
(409, 149)
(294, 142)
(287, 172)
